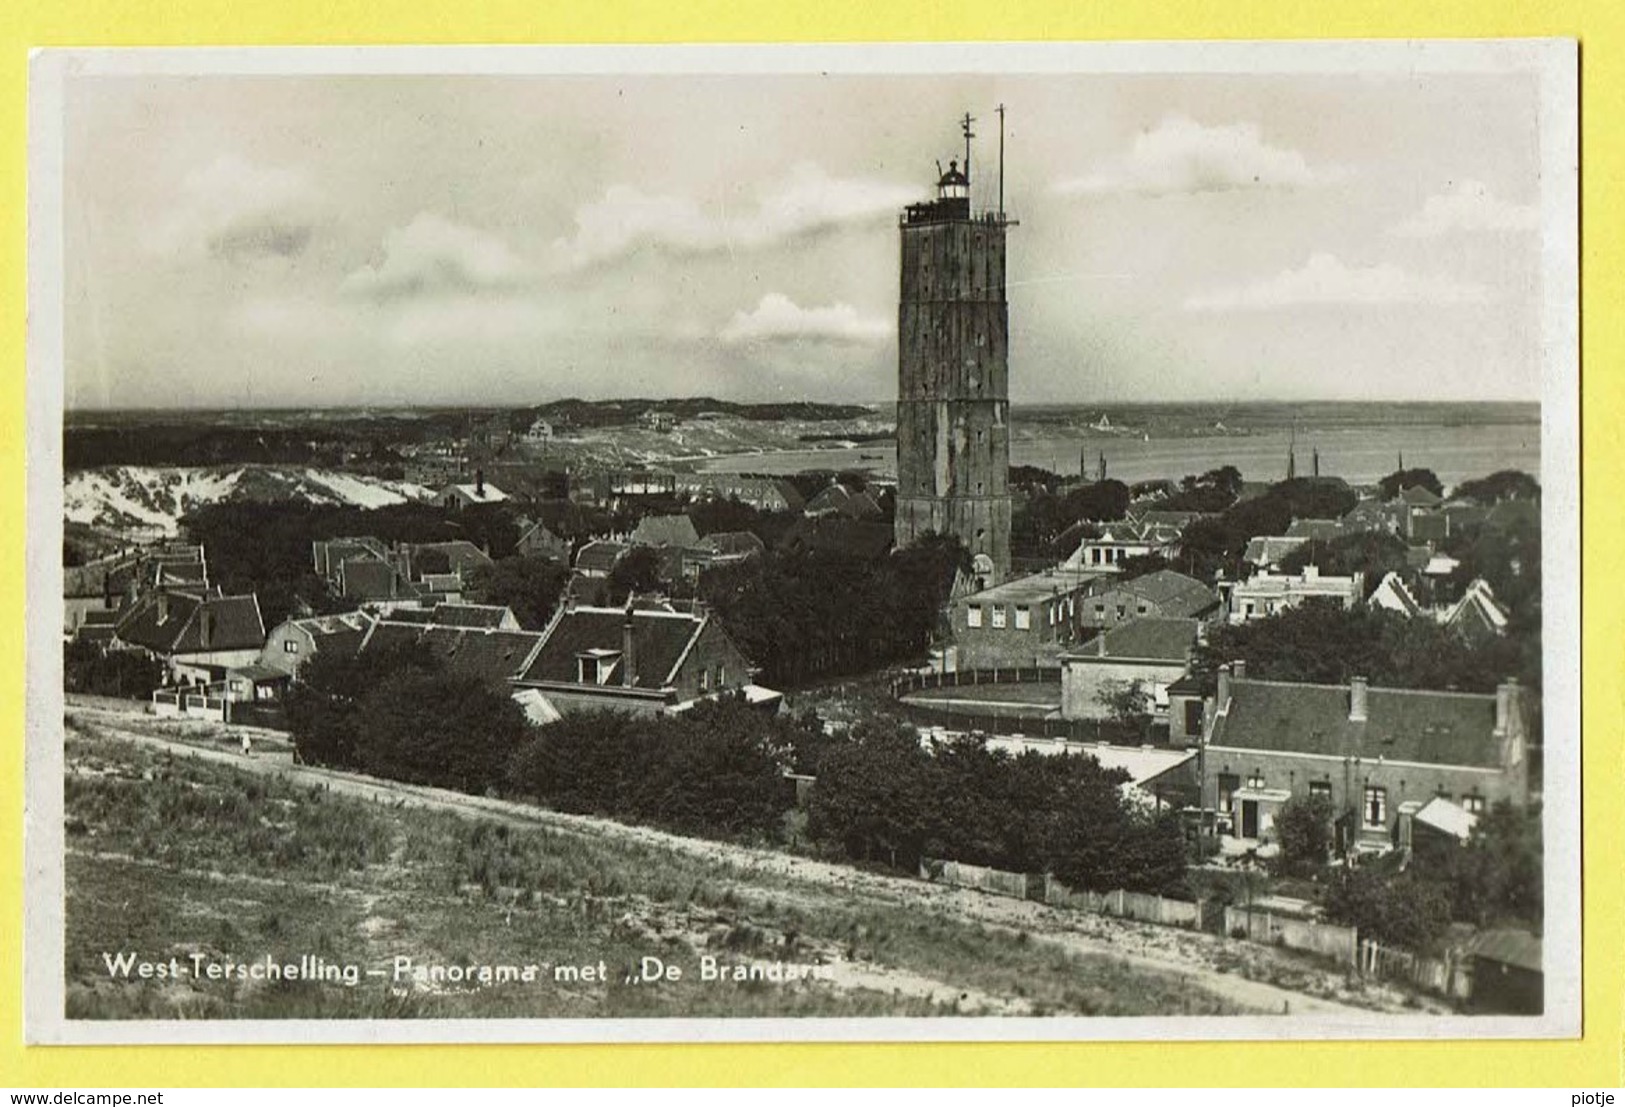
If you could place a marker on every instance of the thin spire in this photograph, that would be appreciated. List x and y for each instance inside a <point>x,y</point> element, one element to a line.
<point>1001,160</point>
<point>964,125</point>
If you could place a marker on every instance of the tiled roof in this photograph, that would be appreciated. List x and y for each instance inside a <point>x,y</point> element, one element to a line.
<point>1417,496</point>
<point>1323,530</point>
<point>599,557</point>
<point>367,578</point>
<point>470,615</point>
<point>736,542</point>
<point>1392,595</point>
<point>665,530</point>
<point>1267,550</point>
<point>1174,593</point>
<point>836,534</point>
<point>1147,638</point>
<point>336,634</point>
<point>1440,728</point>
<point>456,556</point>
<point>234,623</point>
<point>1518,948</point>
<point>491,656</point>
<point>659,641</point>
<point>839,498</point>
<point>474,493</point>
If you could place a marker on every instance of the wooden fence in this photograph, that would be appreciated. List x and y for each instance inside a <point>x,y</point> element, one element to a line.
<point>1447,977</point>
<point>1340,943</point>
<point>1046,889</point>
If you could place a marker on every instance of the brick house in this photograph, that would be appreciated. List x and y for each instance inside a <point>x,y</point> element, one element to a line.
<point>645,658</point>
<point>1031,620</point>
<point>1264,594</point>
<point>1369,751</point>
<point>294,642</point>
<point>197,635</point>
<point>1154,651</point>
<point>1163,594</point>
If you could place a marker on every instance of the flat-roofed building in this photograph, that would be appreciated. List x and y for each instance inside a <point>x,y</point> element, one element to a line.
<point>1031,620</point>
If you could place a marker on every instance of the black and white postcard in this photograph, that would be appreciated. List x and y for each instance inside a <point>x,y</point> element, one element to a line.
<point>746,543</point>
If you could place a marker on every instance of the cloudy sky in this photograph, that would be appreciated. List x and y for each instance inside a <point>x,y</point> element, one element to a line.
<point>387,240</point>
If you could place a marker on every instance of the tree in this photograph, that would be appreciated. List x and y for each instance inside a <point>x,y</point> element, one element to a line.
<point>1495,878</point>
<point>1400,479</point>
<point>425,726</point>
<point>1374,553</point>
<point>1304,828</point>
<point>129,673</point>
<point>529,586</point>
<point>1128,702</point>
<point>872,796</point>
<point>324,705</point>
<point>1398,910</point>
<point>1504,484</point>
<point>638,570</point>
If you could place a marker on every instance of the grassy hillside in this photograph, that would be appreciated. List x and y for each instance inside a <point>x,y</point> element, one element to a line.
<point>170,857</point>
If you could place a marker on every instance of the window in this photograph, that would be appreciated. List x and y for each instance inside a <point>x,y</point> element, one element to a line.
<point>1122,611</point>
<point>1256,779</point>
<point>998,616</point>
<point>1375,812</point>
<point>290,646</point>
<point>705,679</point>
<point>1024,618</point>
<point>1193,717</point>
<point>722,676</point>
<point>1228,783</point>
<point>1142,609</point>
<point>1473,805</point>
<point>1320,788</point>
<point>1250,609</point>
<point>973,616</point>
<point>1100,609</point>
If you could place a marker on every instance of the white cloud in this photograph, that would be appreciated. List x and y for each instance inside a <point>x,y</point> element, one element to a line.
<point>1181,156</point>
<point>626,220</point>
<point>1324,279</point>
<point>779,319</point>
<point>434,257</point>
<point>233,209</point>
<point>1468,207</point>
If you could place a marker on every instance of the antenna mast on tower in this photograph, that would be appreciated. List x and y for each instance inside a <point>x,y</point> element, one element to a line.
<point>1001,161</point>
<point>964,125</point>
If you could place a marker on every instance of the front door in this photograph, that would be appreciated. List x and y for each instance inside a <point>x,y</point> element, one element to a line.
<point>1249,818</point>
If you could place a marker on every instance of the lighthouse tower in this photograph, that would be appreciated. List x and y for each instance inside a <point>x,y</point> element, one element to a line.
<point>953,372</point>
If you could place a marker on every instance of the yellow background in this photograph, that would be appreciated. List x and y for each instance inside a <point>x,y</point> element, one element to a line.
<point>1600,26</point>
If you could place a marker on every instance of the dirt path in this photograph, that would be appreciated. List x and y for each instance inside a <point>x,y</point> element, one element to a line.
<point>1212,963</point>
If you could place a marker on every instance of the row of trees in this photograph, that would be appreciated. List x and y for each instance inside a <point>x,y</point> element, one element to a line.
<point>1321,643</point>
<point>811,615</point>
<point>718,769</point>
<point>881,796</point>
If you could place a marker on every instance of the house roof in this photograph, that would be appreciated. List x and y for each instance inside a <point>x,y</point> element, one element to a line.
<point>367,578</point>
<point>1439,728</point>
<point>1392,595</point>
<point>1145,639</point>
<point>340,634</point>
<point>458,556</point>
<point>474,493</point>
<point>734,542</point>
<point>1478,604</point>
<point>1269,549</point>
<point>1173,592</point>
<point>665,530</point>
<point>660,639</point>
<point>470,615</point>
<point>1518,948</point>
<point>1036,587</point>
<point>1447,817</point>
<point>838,535</point>
<point>234,623</point>
<point>1322,530</point>
<point>488,655</point>
<point>599,556</point>
<point>839,498</point>
<point>1417,496</point>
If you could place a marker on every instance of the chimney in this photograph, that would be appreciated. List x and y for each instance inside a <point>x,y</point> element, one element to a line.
<point>479,483</point>
<point>1507,698</point>
<point>1311,572</point>
<point>629,675</point>
<point>1359,708</point>
<point>1224,688</point>
<point>1238,668</point>
<point>205,626</point>
<point>163,606</point>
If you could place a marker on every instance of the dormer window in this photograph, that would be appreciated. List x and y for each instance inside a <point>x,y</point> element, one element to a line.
<point>595,666</point>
